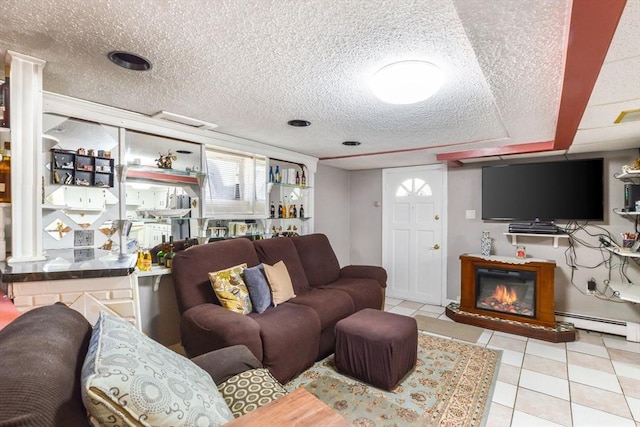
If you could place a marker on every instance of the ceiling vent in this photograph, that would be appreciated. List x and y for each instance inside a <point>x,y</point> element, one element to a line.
<point>627,116</point>
<point>184,120</point>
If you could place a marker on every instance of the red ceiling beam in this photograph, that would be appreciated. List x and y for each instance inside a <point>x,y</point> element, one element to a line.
<point>592,26</point>
<point>506,150</point>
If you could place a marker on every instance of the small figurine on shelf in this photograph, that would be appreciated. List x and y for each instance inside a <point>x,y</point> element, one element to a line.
<point>165,160</point>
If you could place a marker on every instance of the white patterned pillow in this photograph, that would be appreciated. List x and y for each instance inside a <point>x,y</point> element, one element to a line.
<point>129,379</point>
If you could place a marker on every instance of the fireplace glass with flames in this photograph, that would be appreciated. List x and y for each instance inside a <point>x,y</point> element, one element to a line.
<point>506,291</point>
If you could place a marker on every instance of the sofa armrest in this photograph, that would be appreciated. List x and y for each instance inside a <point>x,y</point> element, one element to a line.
<point>376,273</point>
<point>208,327</point>
<point>226,362</point>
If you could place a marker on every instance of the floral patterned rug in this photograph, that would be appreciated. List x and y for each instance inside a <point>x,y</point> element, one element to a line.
<point>451,385</point>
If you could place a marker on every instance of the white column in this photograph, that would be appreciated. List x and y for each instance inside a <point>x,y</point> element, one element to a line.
<point>26,157</point>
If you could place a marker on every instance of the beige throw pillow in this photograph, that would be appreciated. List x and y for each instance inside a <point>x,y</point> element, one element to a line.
<point>279,282</point>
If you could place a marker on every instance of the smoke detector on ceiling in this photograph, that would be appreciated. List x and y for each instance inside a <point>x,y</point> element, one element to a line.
<point>184,120</point>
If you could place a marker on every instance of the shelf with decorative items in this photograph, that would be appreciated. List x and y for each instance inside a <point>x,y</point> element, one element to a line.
<point>166,176</point>
<point>80,168</point>
<point>556,237</point>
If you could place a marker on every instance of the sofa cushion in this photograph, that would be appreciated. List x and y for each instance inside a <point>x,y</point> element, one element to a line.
<point>128,378</point>
<point>365,293</point>
<point>290,339</point>
<point>230,289</point>
<point>41,355</point>
<point>250,390</point>
<point>331,305</point>
<point>259,289</point>
<point>318,258</point>
<point>191,269</point>
<point>279,282</point>
<point>271,251</point>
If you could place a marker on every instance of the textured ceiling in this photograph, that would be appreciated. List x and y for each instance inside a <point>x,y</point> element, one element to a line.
<point>250,66</point>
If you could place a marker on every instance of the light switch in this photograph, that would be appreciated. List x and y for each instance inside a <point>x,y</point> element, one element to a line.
<point>470,214</point>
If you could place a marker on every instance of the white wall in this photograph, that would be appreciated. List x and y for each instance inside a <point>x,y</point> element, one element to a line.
<point>366,217</point>
<point>464,193</point>
<point>331,209</point>
<point>464,237</point>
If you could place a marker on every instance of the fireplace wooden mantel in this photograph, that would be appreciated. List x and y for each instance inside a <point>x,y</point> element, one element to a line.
<point>541,325</point>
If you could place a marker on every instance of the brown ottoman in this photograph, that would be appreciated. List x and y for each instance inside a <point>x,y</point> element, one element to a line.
<point>376,347</point>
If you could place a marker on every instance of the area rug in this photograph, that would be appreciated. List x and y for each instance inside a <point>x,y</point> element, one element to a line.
<point>451,385</point>
<point>459,331</point>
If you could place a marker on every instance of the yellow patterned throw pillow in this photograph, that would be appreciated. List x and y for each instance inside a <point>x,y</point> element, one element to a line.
<point>231,290</point>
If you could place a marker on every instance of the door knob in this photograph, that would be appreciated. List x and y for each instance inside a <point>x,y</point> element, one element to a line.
<point>436,246</point>
<point>437,217</point>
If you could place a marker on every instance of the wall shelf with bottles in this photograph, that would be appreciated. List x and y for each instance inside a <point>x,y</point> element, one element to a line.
<point>71,168</point>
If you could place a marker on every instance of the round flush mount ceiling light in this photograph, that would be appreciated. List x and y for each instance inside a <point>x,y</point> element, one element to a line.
<point>406,82</point>
<point>129,60</point>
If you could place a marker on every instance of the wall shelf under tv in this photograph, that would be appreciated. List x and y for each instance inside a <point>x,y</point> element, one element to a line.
<point>556,237</point>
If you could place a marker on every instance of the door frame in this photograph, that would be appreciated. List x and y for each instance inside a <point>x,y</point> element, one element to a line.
<point>444,215</point>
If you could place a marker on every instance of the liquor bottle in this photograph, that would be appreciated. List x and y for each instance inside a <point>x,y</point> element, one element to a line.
<point>280,209</point>
<point>272,210</point>
<point>162,252</point>
<point>277,177</point>
<point>146,261</point>
<point>295,212</point>
<point>6,97</point>
<point>5,174</point>
<point>292,211</point>
<point>270,173</point>
<point>297,178</point>
<point>168,258</point>
<point>140,261</point>
<point>303,179</point>
<point>301,212</point>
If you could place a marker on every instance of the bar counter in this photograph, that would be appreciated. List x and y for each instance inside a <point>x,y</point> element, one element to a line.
<point>68,264</point>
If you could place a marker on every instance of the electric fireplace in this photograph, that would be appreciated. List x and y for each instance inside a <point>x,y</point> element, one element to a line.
<point>510,294</point>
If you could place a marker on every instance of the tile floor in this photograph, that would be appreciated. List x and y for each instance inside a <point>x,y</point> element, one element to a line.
<point>594,381</point>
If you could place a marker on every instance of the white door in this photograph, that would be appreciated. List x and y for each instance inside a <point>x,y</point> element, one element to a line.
<point>413,242</point>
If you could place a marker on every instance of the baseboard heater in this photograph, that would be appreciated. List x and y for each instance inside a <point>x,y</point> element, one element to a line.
<point>598,324</point>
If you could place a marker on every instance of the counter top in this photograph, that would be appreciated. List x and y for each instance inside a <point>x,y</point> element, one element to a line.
<point>65,264</point>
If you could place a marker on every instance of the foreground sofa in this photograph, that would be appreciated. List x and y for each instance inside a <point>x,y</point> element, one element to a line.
<point>42,353</point>
<point>289,338</point>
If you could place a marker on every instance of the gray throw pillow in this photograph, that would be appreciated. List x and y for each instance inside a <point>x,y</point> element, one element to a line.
<point>259,290</point>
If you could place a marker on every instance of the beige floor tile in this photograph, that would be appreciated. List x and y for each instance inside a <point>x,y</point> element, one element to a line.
<point>630,386</point>
<point>586,416</point>
<point>589,361</point>
<point>624,356</point>
<point>426,314</point>
<point>545,366</point>
<point>509,374</point>
<point>613,341</point>
<point>499,416</point>
<point>544,406</point>
<point>589,337</point>
<point>410,304</point>
<point>543,383</point>
<point>597,398</point>
<point>388,307</point>
<point>507,343</point>
<point>392,301</point>
<point>432,308</point>
<point>508,335</point>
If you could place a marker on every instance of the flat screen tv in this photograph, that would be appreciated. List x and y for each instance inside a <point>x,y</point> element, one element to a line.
<point>549,191</point>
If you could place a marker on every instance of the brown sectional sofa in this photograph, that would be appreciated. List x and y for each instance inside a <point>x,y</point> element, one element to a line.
<point>289,338</point>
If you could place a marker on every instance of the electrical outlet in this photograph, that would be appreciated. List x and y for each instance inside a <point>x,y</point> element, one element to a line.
<point>591,285</point>
<point>83,238</point>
